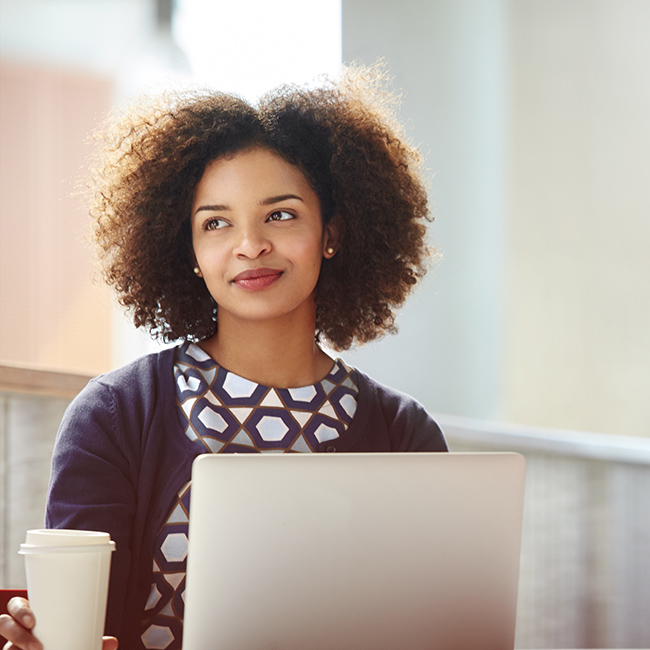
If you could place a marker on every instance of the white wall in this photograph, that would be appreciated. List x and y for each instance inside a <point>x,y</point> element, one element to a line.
<point>95,35</point>
<point>578,313</point>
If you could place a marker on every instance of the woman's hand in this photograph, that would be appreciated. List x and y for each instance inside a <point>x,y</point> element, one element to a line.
<point>17,625</point>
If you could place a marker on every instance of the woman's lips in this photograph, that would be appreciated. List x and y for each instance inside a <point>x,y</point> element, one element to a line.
<point>256,279</point>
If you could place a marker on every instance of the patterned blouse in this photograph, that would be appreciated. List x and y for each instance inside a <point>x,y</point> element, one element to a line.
<point>225,413</point>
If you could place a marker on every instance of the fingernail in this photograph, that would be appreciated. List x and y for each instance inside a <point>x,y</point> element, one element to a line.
<point>27,620</point>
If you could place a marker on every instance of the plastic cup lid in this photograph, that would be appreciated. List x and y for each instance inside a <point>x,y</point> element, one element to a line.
<point>33,549</point>
<point>65,537</point>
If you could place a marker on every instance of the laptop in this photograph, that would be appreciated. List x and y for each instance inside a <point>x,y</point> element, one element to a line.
<point>354,551</point>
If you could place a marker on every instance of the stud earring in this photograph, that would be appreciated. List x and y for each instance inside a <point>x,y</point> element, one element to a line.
<point>197,270</point>
<point>329,250</point>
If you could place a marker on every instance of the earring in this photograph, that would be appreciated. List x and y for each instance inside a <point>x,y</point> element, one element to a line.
<point>197,270</point>
<point>329,250</point>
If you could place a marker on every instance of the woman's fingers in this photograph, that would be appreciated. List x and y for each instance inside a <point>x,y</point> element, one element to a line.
<point>19,609</point>
<point>16,628</point>
<point>17,625</point>
<point>18,636</point>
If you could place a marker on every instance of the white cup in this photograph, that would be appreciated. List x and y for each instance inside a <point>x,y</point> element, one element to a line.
<point>67,586</point>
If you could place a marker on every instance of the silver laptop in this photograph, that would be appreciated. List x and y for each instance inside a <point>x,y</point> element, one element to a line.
<point>354,551</point>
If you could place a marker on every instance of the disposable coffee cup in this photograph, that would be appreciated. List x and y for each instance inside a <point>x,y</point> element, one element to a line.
<point>67,585</point>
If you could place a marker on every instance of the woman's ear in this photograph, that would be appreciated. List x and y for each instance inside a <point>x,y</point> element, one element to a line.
<point>195,265</point>
<point>332,236</point>
<point>187,231</point>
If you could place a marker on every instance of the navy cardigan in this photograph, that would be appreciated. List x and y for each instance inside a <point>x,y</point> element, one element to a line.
<point>121,455</point>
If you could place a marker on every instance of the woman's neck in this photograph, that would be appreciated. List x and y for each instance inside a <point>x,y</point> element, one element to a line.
<point>278,354</point>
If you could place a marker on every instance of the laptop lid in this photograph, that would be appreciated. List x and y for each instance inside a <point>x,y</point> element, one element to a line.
<point>354,551</point>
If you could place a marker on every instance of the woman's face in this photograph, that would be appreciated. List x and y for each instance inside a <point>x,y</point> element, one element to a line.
<point>258,236</point>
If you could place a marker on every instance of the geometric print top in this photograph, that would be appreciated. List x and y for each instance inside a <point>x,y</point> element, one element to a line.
<point>228,413</point>
<point>225,413</point>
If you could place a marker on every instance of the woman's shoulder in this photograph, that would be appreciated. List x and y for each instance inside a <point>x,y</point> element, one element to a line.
<point>390,399</point>
<point>120,401</point>
<point>141,379</point>
<point>406,419</point>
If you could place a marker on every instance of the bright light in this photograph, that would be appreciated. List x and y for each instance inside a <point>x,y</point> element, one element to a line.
<point>251,46</point>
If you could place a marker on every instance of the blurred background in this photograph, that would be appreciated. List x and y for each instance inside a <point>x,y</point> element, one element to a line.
<point>533,117</point>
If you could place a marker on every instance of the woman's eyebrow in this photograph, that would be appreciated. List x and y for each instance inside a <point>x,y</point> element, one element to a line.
<point>279,199</point>
<point>219,207</point>
<point>213,208</point>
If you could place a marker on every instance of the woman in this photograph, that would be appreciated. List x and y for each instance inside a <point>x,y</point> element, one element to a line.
<point>250,235</point>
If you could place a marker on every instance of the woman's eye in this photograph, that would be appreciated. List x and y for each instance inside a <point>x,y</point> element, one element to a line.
<point>281,215</point>
<point>215,224</point>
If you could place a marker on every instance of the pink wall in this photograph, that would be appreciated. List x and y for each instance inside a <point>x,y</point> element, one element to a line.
<point>51,312</point>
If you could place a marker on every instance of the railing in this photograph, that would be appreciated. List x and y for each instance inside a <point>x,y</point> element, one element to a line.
<point>585,564</point>
<point>32,403</point>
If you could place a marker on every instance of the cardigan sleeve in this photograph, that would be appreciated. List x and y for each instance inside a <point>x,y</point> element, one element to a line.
<point>91,484</point>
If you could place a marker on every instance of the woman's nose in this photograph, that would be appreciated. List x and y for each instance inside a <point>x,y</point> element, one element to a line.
<point>252,243</point>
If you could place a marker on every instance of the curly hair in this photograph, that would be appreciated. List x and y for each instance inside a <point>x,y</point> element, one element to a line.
<point>343,137</point>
